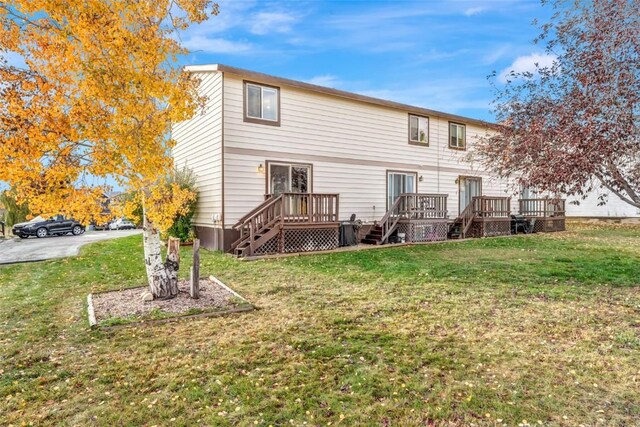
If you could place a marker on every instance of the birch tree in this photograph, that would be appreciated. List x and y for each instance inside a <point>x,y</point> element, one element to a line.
<point>95,98</point>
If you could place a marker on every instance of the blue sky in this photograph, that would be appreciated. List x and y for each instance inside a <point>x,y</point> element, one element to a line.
<point>435,54</point>
<point>432,53</point>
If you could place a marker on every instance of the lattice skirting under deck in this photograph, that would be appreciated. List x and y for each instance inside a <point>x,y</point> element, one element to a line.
<point>309,239</point>
<point>546,225</point>
<point>424,231</point>
<point>271,247</point>
<point>490,228</point>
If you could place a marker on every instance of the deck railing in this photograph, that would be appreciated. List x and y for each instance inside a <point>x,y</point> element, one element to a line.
<point>413,206</point>
<point>482,207</point>
<point>310,207</point>
<point>491,207</point>
<point>542,207</point>
<point>422,206</point>
<point>275,211</point>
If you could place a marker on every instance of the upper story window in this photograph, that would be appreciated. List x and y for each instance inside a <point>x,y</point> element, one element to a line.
<point>418,130</point>
<point>262,104</point>
<point>457,136</point>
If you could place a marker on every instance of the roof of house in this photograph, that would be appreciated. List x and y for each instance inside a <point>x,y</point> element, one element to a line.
<point>269,79</point>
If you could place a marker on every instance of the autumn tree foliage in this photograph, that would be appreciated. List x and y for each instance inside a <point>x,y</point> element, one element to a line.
<point>574,127</point>
<point>95,98</point>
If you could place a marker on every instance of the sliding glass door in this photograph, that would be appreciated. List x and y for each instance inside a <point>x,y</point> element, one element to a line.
<point>470,187</point>
<point>289,178</point>
<point>398,183</point>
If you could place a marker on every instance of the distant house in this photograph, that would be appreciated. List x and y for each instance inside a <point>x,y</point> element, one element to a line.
<point>269,152</point>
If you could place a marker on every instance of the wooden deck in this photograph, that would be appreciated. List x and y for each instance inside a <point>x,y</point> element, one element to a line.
<point>289,222</point>
<point>309,222</point>
<point>419,217</point>
<point>546,214</point>
<point>485,216</point>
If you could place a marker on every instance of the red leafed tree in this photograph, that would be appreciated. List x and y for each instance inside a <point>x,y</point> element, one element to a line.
<point>574,127</point>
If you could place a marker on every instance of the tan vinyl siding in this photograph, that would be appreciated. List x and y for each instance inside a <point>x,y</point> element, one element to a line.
<point>351,145</point>
<point>199,146</point>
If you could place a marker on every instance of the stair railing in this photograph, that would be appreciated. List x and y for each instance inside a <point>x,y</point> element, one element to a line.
<point>267,214</point>
<point>466,217</point>
<point>390,219</point>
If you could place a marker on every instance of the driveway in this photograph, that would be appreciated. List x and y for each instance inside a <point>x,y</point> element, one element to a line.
<point>33,249</point>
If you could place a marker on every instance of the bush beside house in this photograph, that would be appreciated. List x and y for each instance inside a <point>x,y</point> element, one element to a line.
<point>182,227</point>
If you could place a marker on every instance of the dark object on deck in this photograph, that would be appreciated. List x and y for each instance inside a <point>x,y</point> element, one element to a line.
<point>519,223</point>
<point>1,228</point>
<point>349,231</point>
<point>394,238</point>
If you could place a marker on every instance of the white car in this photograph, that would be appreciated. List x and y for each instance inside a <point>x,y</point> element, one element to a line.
<point>122,224</point>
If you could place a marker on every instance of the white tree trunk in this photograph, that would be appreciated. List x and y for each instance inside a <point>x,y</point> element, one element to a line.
<point>162,276</point>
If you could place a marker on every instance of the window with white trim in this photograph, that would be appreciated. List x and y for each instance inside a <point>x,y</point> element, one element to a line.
<point>418,129</point>
<point>261,102</point>
<point>457,136</point>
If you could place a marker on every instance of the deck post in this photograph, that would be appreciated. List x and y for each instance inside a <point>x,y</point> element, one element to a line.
<point>310,207</point>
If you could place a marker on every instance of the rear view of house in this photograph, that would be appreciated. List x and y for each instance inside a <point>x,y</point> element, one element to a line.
<point>279,163</point>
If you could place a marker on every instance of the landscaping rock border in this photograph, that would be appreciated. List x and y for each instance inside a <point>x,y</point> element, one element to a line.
<point>94,323</point>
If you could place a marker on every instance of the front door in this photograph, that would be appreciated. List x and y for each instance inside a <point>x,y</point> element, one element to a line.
<point>470,187</point>
<point>398,183</point>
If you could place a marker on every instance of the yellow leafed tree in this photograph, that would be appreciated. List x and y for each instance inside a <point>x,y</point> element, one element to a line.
<point>96,96</point>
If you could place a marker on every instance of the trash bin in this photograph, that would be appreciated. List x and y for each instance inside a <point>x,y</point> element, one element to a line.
<point>348,233</point>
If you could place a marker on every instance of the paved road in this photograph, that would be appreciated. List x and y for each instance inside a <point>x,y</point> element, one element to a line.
<point>34,249</point>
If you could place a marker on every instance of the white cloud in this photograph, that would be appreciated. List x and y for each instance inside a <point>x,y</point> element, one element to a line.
<point>529,63</point>
<point>217,45</point>
<point>496,53</point>
<point>474,10</point>
<point>271,22</point>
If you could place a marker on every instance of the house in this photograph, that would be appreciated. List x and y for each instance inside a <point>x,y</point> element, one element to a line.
<point>281,162</point>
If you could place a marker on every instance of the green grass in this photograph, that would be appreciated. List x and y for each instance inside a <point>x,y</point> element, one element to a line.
<point>542,328</point>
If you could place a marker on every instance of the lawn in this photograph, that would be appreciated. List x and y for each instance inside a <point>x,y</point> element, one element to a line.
<point>540,330</point>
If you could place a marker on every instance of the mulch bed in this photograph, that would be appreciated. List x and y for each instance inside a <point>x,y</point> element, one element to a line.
<point>127,303</point>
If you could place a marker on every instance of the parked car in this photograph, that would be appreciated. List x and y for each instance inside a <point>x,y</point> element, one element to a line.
<point>122,224</point>
<point>55,226</point>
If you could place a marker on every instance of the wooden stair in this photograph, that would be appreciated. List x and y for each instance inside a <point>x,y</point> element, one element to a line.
<point>258,227</point>
<point>374,237</point>
<point>246,248</point>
